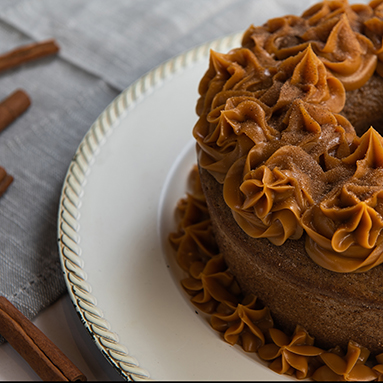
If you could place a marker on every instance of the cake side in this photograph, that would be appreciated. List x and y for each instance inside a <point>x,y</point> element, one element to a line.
<point>332,307</point>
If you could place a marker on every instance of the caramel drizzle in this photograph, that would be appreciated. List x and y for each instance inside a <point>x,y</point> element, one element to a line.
<point>270,131</point>
<point>242,320</point>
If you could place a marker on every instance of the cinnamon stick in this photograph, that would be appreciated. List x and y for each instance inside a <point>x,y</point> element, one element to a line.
<point>12,107</point>
<point>5,180</point>
<point>27,53</point>
<point>40,353</point>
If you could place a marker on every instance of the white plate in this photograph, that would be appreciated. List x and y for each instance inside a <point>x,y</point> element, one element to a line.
<point>116,210</point>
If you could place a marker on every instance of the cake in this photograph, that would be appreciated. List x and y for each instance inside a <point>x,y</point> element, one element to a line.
<point>290,159</point>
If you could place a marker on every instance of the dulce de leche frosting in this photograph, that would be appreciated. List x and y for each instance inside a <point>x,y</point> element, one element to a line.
<point>270,130</point>
<point>242,319</point>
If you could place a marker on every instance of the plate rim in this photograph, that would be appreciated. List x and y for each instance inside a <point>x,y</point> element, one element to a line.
<point>68,237</point>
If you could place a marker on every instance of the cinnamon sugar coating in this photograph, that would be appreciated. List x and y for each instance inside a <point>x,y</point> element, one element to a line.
<point>273,128</point>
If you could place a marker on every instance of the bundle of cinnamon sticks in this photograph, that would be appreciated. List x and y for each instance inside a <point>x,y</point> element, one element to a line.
<point>19,101</point>
<point>41,354</point>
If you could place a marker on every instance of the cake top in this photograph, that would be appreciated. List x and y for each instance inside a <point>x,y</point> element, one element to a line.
<point>270,129</point>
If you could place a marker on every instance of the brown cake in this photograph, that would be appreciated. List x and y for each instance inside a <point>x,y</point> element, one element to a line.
<point>292,170</point>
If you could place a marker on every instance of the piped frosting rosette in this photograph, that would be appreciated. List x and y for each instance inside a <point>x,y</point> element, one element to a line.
<point>270,131</point>
<point>337,37</point>
<point>345,228</point>
<point>269,200</point>
<point>228,105</point>
<point>374,31</point>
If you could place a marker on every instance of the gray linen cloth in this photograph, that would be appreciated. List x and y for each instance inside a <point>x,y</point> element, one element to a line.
<point>105,46</point>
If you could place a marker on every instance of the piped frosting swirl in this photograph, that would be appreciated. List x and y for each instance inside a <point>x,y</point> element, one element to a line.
<point>270,130</point>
